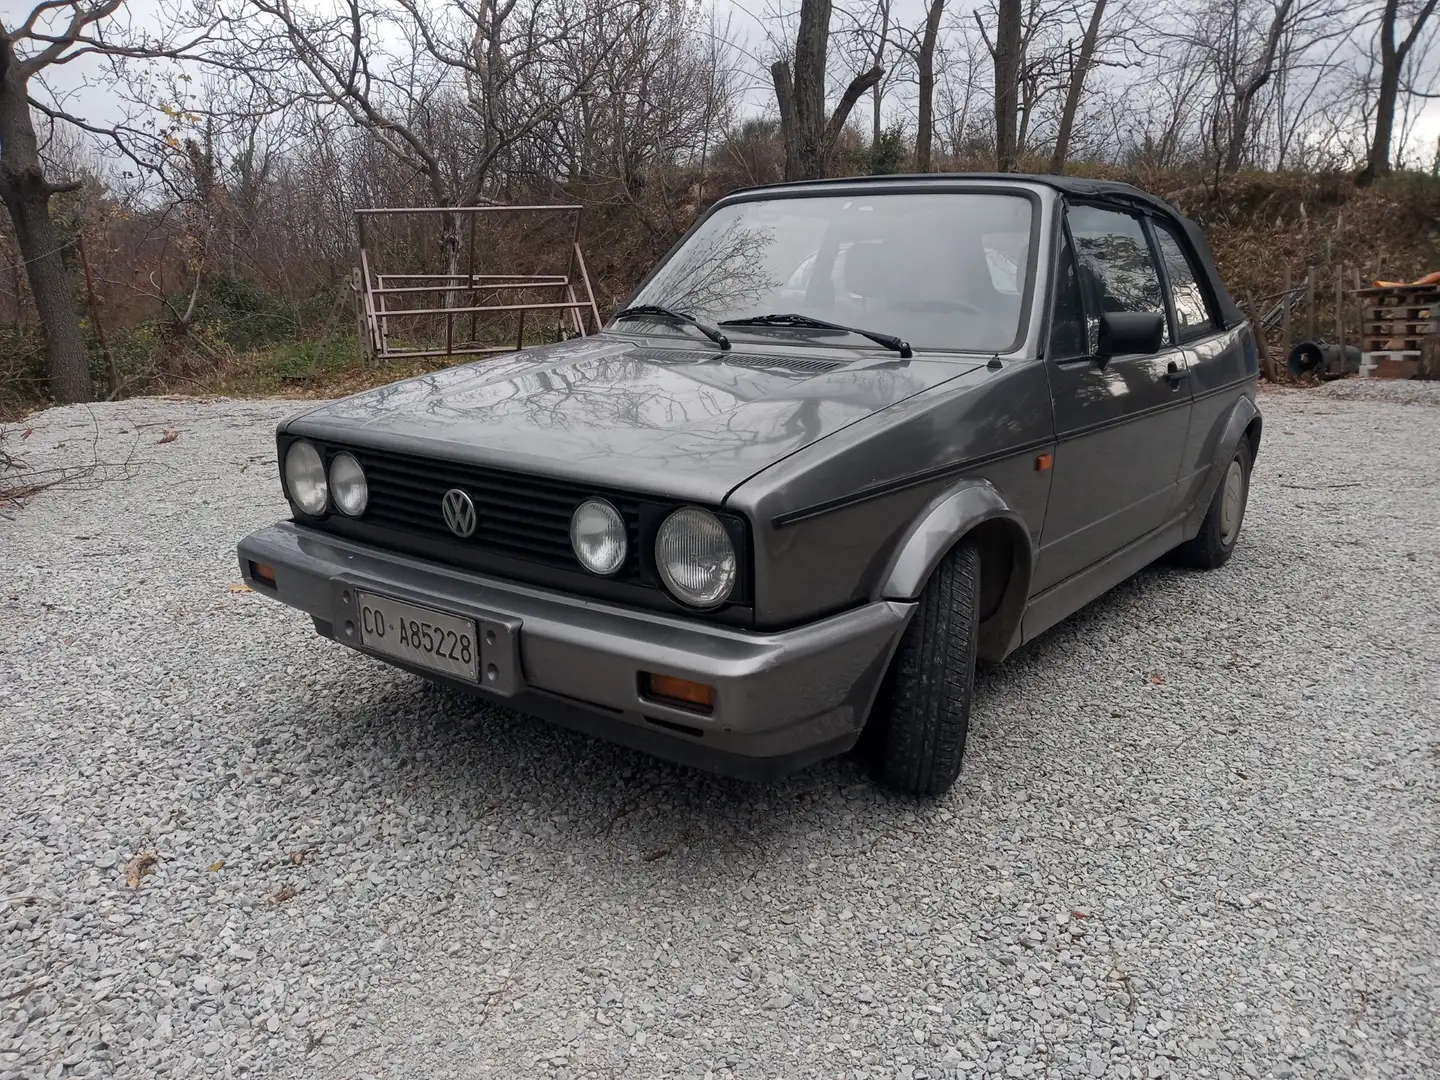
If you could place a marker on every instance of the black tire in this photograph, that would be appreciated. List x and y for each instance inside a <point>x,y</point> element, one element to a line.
<point>1212,546</point>
<point>922,719</point>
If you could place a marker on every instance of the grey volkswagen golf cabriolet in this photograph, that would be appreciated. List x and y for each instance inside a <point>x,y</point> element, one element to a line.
<point>849,437</point>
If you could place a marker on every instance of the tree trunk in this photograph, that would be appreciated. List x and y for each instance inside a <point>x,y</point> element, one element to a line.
<point>808,136</point>
<point>1076,88</point>
<point>1245,97</point>
<point>450,240</point>
<point>789,129</point>
<point>812,41</point>
<point>1007,84</point>
<point>926,131</point>
<point>1392,63</point>
<point>26,194</point>
<point>879,62</point>
<point>1377,161</point>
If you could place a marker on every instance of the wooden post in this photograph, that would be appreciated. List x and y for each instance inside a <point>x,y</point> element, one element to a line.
<point>1310,304</point>
<point>1340,310</point>
<point>112,371</point>
<point>1360,315</point>
<point>1289,298</point>
<point>19,297</point>
<point>1262,348</point>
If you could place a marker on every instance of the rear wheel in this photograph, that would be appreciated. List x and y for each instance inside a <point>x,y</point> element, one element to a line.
<point>1213,544</point>
<point>921,723</point>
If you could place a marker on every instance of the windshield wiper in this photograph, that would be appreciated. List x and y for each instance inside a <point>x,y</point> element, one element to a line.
<point>890,341</point>
<point>656,311</point>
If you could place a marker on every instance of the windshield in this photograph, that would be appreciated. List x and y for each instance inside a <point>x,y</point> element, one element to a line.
<point>941,270</point>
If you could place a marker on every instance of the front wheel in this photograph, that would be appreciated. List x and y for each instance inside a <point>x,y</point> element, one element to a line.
<point>921,724</point>
<point>1213,544</point>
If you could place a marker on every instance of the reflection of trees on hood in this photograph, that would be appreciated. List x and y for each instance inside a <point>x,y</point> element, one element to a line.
<point>720,272</point>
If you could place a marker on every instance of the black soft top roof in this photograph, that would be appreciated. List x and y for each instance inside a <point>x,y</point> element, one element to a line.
<point>1075,187</point>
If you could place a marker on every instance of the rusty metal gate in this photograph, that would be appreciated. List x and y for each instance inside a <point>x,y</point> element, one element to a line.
<point>405,311</point>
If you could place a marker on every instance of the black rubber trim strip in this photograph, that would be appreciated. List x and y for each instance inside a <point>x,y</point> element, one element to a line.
<point>1180,402</point>
<point>875,491</point>
<point>1203,394</point>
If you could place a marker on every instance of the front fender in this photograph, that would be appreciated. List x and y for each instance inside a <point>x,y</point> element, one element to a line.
<point>946,520</point>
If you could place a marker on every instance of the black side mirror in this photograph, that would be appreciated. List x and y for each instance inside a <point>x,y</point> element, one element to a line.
<point>1125,332</point>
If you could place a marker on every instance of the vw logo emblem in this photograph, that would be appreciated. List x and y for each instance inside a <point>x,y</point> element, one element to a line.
<point>459,513</point>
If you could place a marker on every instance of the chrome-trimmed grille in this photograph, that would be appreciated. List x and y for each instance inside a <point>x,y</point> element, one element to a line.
<point>524,517</point>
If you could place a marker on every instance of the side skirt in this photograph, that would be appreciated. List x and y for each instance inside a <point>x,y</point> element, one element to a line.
<point>1066,597</point>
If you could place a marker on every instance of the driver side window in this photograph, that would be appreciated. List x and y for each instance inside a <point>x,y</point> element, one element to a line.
<point>1117,272</point>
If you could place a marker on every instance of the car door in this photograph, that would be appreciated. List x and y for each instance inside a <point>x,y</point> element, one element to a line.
<point>1216,358</point>
<point>1121,425</point>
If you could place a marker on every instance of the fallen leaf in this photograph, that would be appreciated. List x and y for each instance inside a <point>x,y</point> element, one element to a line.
<point>170,436</point>
<point>280,895</point>
<point>218,864</point>
<point>240,586</point>
<point>141,864</point>
<point>1157,678</point>
<point>658,853</point>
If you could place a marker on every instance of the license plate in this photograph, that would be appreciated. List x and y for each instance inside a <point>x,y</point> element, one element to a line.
<point>419,635</point>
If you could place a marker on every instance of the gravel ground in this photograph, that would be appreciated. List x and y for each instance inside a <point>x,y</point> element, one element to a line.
<point>1195,836</point>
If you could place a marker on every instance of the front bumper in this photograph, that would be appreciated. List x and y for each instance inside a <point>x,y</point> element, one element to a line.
<point>782,700</point>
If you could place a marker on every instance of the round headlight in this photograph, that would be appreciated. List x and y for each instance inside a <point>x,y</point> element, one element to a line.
<point>597,533</point>
<point>305,478</point>
<point>347,485</point>
<point>695,557</point>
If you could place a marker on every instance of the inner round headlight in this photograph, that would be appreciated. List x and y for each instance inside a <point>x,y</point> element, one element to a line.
<point>597,533</point>
<point>695,557</point>
<point>347,485</point>
<point>305,478</point>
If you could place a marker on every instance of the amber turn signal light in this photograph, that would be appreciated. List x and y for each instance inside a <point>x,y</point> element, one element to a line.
<point>698,697</point>
<point>1043,462</point>
<point>263,572</point>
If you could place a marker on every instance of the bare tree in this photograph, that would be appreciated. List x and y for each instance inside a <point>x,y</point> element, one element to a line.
<point>57,33</point>
<point>1248,82</point>
<point>800,94</point>
<point>926,122</point>
<point>1393,56</point>
<point>1007,84</point>
<point>1075,87</point>
<point>26,51</point>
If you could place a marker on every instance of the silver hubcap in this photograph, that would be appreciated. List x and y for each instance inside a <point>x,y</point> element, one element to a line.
<point>1232,503</point>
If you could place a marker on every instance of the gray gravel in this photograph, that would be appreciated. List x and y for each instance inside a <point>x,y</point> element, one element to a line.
<point>1195,836</point>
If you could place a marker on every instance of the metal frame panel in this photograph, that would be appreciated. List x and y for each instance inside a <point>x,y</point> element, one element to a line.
<point>383,297</point>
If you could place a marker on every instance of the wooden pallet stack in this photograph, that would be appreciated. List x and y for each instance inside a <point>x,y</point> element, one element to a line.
<point>1397,321</point>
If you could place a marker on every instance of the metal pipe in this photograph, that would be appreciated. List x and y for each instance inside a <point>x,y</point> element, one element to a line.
<point>585,276</point>
<point>378,211</point>
<point>396,313</point>
<point>489,286</point>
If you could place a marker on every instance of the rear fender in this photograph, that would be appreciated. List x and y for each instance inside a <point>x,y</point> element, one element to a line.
<point>1237,422</point>
<point>972,507</point>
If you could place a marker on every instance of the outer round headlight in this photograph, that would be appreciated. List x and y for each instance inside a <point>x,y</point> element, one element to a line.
<point>347,485</point>
<point>305,478</point>
<point>597,533</point>
<point>695,557</point>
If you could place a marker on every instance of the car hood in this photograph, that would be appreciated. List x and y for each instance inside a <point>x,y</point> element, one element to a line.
<point>691,423</point>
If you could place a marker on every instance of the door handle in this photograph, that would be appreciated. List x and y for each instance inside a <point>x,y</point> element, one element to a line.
<point>1176,375</point>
